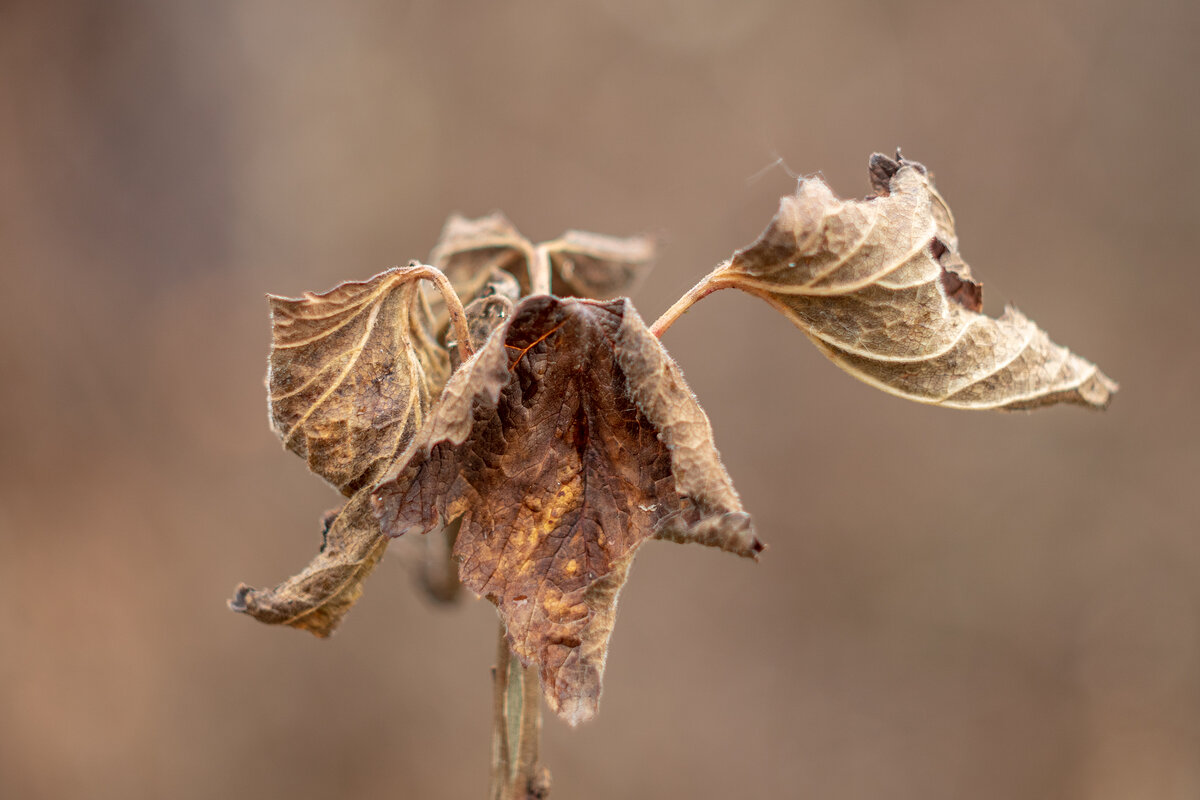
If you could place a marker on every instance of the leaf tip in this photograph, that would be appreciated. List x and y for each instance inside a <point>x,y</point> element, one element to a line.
<point>883,168</point>
<point>1098,390</point>
<point>756,548</point>
<point>238,601</point>
<point>743,537</point>
<point>576,709</point>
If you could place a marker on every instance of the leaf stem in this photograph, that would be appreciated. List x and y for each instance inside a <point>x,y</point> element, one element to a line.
<point>516,729</point>
<point>454,306</point>
<point>539,270</point>
<point>707,285</point>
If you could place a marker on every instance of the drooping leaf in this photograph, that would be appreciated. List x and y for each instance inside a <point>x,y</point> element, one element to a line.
<point>352,375</point>
<point>316,599</point>
<point>879,286</point>
<point>567,441</point>
<point>581,264</point>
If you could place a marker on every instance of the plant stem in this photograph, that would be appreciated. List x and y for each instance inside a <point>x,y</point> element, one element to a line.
<point>437,570</point>
<point>500,747</point>
<point>516,729</point>
<point>709,284</point>
<point>539,270</point>
<point>454,306</point>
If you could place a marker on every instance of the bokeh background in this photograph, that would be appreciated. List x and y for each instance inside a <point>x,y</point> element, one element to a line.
<point>953,604</point>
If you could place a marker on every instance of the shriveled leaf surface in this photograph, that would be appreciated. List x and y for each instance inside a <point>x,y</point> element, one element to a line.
<point>567,441</point>
<point>437,570</point>
<point>470,249</point>
<point>352,375</point>
<point>595,265</point>
<point>318,598</point>
<point>492,304</point>
<point>879,286</point>
<point>582,264</point>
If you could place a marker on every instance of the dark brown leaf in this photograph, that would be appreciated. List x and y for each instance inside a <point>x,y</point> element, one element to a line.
<point>352,374</point>
<point>568,440</point>
<point>879,287</point>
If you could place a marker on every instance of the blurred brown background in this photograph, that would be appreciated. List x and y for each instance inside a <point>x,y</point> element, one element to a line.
<point>953,605</point>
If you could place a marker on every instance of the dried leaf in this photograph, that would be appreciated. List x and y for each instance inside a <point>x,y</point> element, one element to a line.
<point>492,304</point>
<point>568,440</point>
<point>879,287</point>
<point>437,570</point>
<point>318,598</point>
<point>582,264</point>
<point>470,250</point>
<point>597,266</point>
<point>956,275</point>
<point>352,373</point>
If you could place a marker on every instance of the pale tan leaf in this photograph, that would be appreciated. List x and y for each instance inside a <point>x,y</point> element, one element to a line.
<point>879,286</point>
<point>352,373</point>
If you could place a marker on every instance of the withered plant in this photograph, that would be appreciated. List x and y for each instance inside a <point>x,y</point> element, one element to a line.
<point>538,433</point>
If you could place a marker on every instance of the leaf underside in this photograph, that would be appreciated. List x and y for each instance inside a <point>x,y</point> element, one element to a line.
<point>880,288</point>
<point>567,441</point>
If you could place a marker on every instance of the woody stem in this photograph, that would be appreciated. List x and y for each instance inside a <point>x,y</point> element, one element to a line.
<point>709,284</point>
<point>516,729</point>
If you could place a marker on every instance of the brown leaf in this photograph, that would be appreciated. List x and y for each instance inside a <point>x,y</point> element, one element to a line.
<point>469,250</point>
<point>879,287</point>
<point>492,304</point>
<point>597,266</point>
<point>581,264</point>
<point>318,598</point>
<point>437,570</point>
<point>351,377</point>
<point>568,440</point>
<point>352,373</point>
